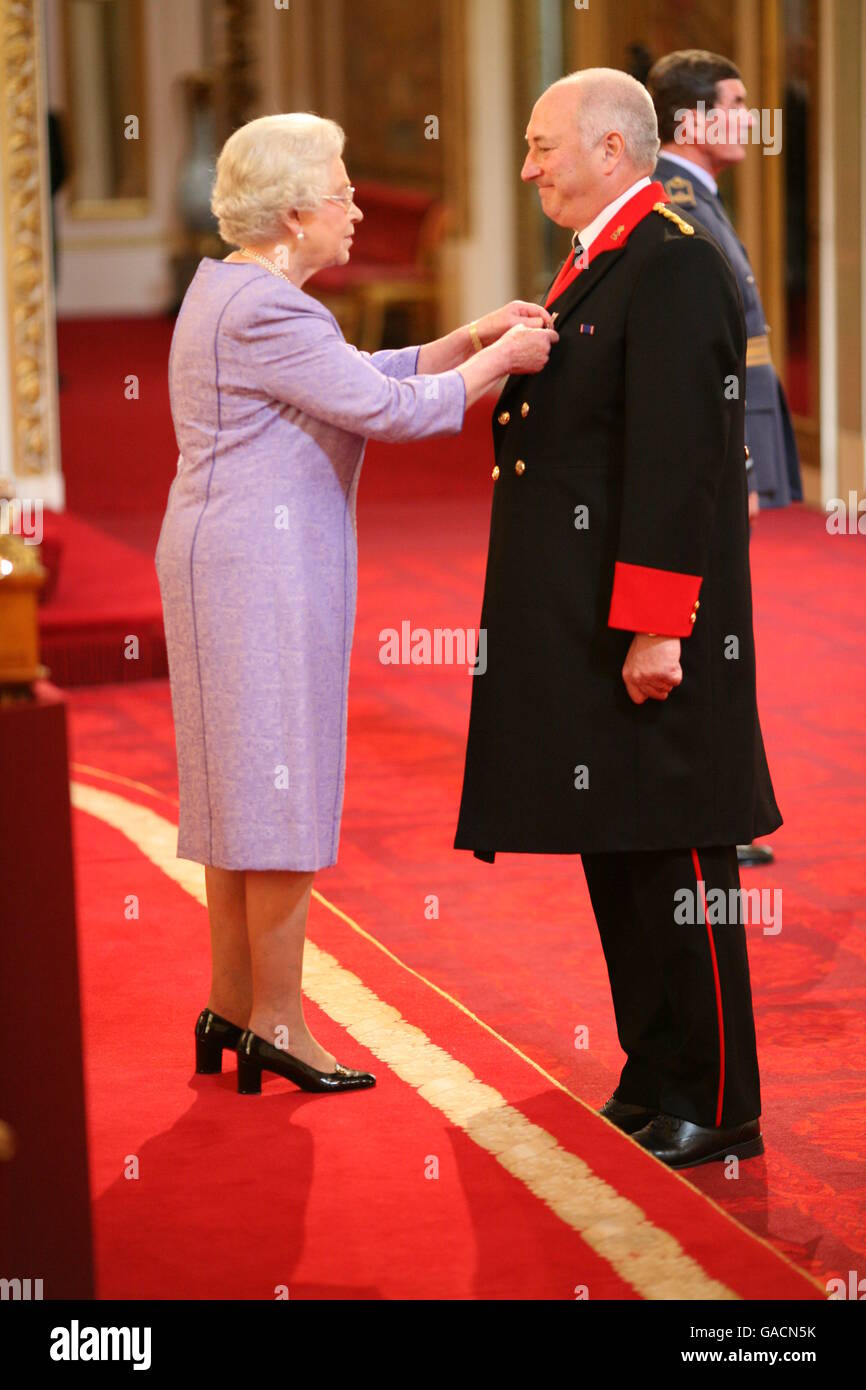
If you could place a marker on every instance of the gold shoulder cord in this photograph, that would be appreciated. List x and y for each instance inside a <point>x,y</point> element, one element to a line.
<point>685,227</point>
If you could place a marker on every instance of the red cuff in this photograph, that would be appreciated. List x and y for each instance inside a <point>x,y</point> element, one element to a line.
<point>649,600</point>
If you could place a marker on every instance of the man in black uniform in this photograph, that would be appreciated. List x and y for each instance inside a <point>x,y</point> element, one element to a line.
<point>617,716</point>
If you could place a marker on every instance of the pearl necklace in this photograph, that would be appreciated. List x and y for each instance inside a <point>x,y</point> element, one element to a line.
<point>263,260</point>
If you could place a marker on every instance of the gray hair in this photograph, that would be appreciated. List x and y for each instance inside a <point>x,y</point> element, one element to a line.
<point>613,100</point>
<point>268,166</point>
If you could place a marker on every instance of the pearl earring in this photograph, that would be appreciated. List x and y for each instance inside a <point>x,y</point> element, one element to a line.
<point>300,236</point>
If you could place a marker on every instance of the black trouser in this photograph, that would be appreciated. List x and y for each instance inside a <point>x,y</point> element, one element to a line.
<point>681,991</point>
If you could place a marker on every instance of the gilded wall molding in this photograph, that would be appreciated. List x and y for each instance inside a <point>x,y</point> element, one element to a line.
<point>29,327</point>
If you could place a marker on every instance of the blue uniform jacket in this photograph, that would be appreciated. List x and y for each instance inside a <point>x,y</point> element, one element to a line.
<point>769,432</point>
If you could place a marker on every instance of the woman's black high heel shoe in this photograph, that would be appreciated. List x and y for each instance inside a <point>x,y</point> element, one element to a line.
<point>255,1056</point>
<point>212,1034</point>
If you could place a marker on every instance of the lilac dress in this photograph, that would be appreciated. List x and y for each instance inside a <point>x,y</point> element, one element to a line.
<point>257,556</point>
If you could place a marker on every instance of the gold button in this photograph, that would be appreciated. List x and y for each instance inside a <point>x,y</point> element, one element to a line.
<point>519,467</point>
<point>693,617</point>
<point>504,417</point>
<point>495,474</point>
<point>746,447</point>
<point>697,604</point>
<point>524,409</point>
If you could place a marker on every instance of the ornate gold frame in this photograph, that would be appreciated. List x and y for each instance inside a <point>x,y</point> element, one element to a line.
<point>107,209</point>
<point>29,327</point>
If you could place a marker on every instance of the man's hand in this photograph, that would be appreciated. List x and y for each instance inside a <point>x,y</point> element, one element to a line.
<point>754,505</point>
<point>492,326</point>
<point>652,667</point>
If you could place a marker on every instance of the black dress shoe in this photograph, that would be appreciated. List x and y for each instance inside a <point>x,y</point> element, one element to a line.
<point>680,1144</point>
<point>212,1034</point>
<point>754,855</point>
<point>626,1117</point>
<point>255,1056</point>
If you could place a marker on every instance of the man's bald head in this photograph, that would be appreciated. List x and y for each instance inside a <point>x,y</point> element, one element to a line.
<point>591,135</point>
<point>605,100</point>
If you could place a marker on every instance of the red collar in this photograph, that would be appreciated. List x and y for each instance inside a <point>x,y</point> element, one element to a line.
<point>612,236</point>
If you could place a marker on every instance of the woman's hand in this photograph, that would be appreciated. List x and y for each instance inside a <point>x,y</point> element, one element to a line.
<point>492,326</point>
<point>526,349</point>
<point>519,350</point>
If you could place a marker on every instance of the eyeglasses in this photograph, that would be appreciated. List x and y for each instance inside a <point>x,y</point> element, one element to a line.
<point>347,198</point>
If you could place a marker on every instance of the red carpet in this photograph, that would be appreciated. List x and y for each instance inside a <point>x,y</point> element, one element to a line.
<point>117,479</point>
<point>300,1191</point>
<point>234,1197</point>
<point>119,458</point>
<point>119,452</point>
<point>103,619</point>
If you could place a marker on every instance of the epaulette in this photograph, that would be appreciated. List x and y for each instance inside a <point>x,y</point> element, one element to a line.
<point>685,227</point>
<point>681,191</point>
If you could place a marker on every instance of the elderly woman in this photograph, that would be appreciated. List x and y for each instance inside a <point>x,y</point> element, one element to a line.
<point>257,563</point>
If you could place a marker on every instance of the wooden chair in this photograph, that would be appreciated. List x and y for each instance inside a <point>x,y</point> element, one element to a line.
<point>393,265</point>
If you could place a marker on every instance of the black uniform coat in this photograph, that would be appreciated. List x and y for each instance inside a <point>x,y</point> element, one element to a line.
<point>769,429</point>
<point>559,760</point>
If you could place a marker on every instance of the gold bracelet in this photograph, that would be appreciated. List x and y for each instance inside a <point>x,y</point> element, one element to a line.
<point>473,333</point>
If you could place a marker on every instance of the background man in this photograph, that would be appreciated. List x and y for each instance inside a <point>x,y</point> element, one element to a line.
<point>617,717</point>
<point>677,83</point>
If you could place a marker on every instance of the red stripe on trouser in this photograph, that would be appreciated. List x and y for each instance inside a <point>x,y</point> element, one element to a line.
<point>700,881</point>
